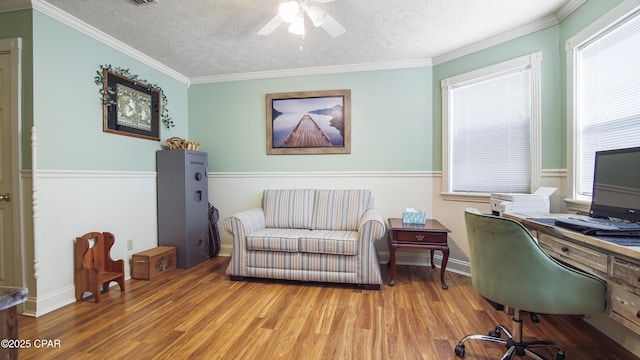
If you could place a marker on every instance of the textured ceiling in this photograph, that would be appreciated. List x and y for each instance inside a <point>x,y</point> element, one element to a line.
<point>199,38</point>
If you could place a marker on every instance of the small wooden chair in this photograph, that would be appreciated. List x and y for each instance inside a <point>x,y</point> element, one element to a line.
<point>94,266</point>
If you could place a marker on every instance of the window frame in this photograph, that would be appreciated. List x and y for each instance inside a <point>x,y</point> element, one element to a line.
<point>531,62</point>
<point>614,18</point>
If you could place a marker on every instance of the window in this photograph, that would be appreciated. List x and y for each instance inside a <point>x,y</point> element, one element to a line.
<point>491,131</point>
<point>606,93</point>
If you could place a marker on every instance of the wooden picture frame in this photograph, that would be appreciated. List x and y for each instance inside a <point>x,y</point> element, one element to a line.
<point>310,122</point>
<point>130,108</point>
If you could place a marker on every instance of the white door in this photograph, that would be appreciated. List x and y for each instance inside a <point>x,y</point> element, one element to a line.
<point>7,245</point>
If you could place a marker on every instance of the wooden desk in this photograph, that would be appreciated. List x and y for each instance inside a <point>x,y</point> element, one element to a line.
<point>431,236</point>
<point>618,266</point>
<point>10,298</point>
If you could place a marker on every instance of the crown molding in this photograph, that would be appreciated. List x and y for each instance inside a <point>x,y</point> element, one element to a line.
<point>81,26</point>
<point>613,16</point>
<point>568,9</point>
<point>548,21</point>
<point>321,70</point>
<point>47,9</point>
<point>498,39</point>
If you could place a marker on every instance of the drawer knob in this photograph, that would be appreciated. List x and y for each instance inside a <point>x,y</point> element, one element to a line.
<point>565,249</point>
<point>638,314</point>
<point>419,237</point>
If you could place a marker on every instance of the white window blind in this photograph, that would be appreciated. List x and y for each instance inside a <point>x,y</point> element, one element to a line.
<point>490,134</point>
<point>608,96</point>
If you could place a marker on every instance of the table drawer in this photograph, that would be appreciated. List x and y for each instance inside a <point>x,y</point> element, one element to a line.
<point>574,253</point>
<point>627,273</point>
<point>625,304</point>
<point>420,237</point>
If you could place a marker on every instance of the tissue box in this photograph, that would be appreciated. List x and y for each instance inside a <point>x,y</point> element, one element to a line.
<point>414,217</point>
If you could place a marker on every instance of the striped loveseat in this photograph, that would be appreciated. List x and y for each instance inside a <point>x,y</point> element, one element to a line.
<point>308,235</point>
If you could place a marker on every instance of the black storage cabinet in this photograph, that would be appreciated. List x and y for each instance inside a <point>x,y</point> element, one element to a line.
<point>183,210</point>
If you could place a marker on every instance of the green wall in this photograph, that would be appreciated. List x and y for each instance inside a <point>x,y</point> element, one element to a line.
<point>545,41</point>
<point>13,25</point>
<point>551,42</point>
<point>584,16</point>
<point>396,120</point>
<point>391,124</point>
<point>581,18</point>
<point>67,107</point>
<point>396,114</point>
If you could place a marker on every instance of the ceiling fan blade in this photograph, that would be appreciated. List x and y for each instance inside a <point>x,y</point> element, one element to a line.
<point>271,26</point>
<point>332,26</point>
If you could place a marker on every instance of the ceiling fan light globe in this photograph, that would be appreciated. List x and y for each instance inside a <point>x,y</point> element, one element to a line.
<point>317,15</point>
<point>288,11</point>
<point>297,26</point>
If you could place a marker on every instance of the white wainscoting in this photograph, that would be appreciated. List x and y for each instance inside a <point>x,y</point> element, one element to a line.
<point>392,192</point>
<point>72,203</point>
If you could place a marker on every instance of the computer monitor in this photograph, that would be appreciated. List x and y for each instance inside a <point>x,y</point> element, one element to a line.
<point>616,184</point>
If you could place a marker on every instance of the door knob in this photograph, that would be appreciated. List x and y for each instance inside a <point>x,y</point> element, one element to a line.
<point>5,197</point>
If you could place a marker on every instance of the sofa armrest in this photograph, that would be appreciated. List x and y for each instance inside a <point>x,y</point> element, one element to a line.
<point>245,222</point>
<point>240,225</point>
<point>372,226</point>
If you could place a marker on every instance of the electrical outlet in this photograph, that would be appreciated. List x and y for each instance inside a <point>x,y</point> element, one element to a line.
<point>130,244</point>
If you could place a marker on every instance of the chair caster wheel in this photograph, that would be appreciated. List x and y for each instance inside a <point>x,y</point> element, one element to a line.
<point>534,317</point>
<point>495,333</point>
<point>559,356</point>
<point>459,350</point>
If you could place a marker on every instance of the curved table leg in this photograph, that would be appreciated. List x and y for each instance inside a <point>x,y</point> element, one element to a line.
<point>443,266</point>
<point>392,250</point>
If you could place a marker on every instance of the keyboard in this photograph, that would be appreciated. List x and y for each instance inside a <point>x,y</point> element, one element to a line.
<point>599,226</point>
<point>622,225</point>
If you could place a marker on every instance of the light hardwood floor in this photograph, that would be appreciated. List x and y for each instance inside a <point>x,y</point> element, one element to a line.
<point>200,314</point>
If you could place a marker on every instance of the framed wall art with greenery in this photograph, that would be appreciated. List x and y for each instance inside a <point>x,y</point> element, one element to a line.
<point>131,107</point>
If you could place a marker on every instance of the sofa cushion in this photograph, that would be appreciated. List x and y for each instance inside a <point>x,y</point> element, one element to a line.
<point>275,239</point>
<point>339,209</point>
<point>304,266</point>
<point>290,209</point>
<point>329,242</point>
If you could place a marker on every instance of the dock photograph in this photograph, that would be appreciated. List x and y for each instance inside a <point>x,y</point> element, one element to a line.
<point>308,122</point>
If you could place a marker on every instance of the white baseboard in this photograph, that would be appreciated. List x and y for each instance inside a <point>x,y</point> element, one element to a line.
<point>225,250</point>
<point>461,267</point>
<point>52,301</point>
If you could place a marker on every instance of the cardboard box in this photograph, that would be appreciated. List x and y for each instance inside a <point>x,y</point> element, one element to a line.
<point>148,264</point>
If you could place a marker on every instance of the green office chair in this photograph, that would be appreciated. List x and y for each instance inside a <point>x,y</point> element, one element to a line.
<point>509,268</point>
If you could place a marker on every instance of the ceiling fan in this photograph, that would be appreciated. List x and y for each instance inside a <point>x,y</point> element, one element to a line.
<point>293,12</point>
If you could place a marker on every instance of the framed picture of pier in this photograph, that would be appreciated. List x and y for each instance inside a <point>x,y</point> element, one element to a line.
<point>131,107</point>
<point>310,122</point>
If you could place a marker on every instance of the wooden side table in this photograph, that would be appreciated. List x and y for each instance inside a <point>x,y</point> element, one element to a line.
<point>430,236</point>
<point>10,298</point>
